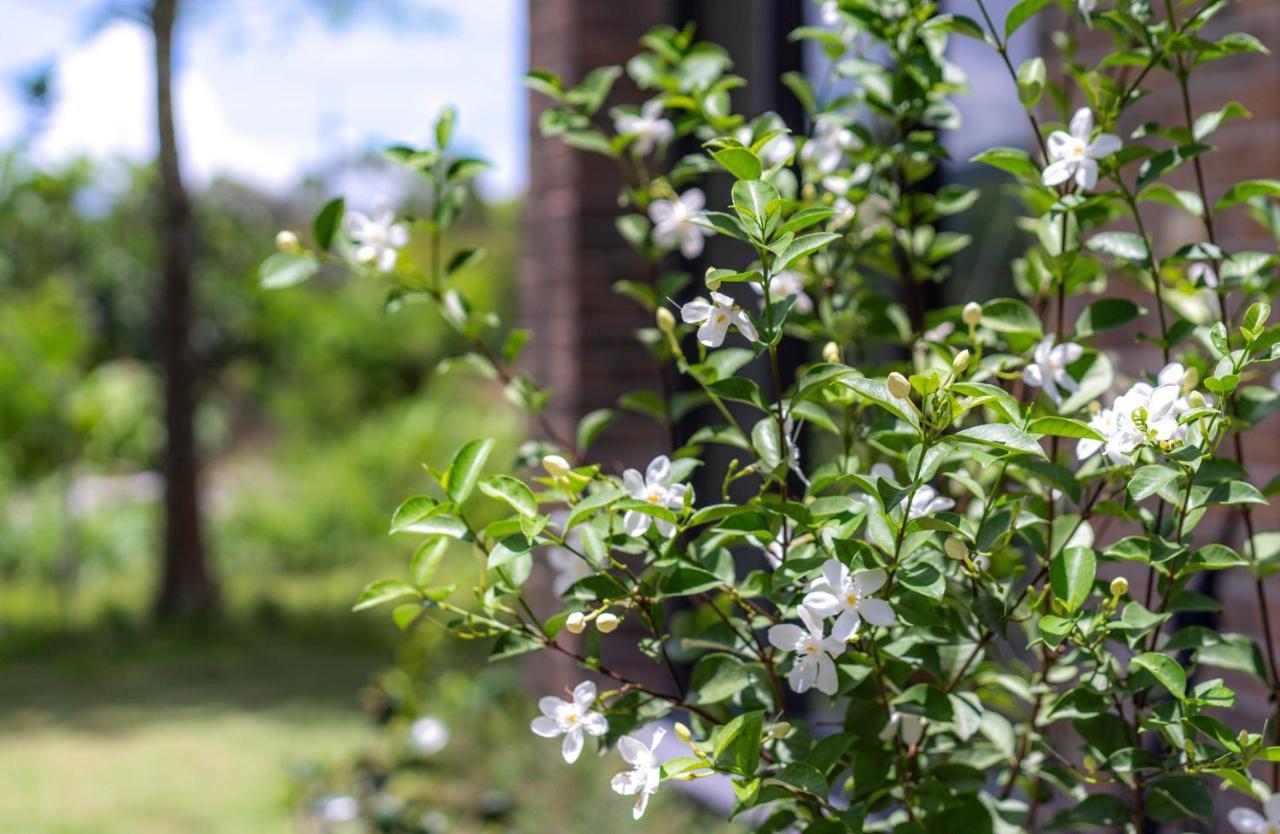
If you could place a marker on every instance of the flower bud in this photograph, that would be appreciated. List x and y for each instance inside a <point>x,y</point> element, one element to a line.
<point>607,622</point>
<point>576,623</point>
<point>960,362</point>
<point>1190,379</point>
<point>780,730</point>
<point>1119,586</point>
<point>831,352</point>
<point>972,313</point>
<point>899,388</point>
<point>683,733</point>
<point>1196,400</point>
<point>556,466</point>
<point>955,548</point>
<point>287,241</point>
<point>666,321</point>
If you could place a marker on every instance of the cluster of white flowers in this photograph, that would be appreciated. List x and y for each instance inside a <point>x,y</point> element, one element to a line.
<point>831,140</point>
<point>836,593</point>
<point>377,238</point>
<point>654,487</point>
<point>1143,413</point>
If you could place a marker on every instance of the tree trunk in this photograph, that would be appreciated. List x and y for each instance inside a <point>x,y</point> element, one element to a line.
<point>187,587</point>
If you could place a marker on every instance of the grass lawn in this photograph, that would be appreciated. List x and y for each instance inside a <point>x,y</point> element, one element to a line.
<point>111,730</point>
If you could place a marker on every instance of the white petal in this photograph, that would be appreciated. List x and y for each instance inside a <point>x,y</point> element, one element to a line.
<point>1087,175</point>
<point>693,199</point>
<point>698,310</point>
<point>801,676</point>
<point>550,705</point>
<point>876,611</point>
<point>545,727</point>
<point>834,571</point>
<point>1058,144</point>
<point>398,235</point>
<point>827,675</point>
<point>595,724</point>
<point>1271,809</point>
<point>822,603</point>
<point>744,325</point>
<point>571,747</point>
<point>846,625</point>
<point>633,483</point>
<point>712,333</point>
<point>658,471</point>
<point>691,242</point>
<point>635,523</point>
<point>632,749</point>
<point>1058,173</point>
<point>869,581</point>
<point>584,695</point>
<point>1105,145</point>
<point>387,259</point>
<point>661,211</point>
<point>811,621</point>
<point>1246,821</point>
<point>642,802</point>
<point>785,636</point>
<point>1082,124</point>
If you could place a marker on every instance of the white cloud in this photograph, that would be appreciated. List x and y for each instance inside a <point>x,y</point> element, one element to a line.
<point>265,104</point>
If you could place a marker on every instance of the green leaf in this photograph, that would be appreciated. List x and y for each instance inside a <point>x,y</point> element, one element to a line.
<point>1014,160</point>
<point>589,505</point>
<point>590,426</point>
<point>1167,672</point>
<point>445,123</point>
<point>1010,315</point>
<point>1160,192</point>
<point>1166,161</point>
<point>802,247</point>
<point>383,590</point>
<point>513,492</point>
<point>327,222</point>
<point>1106,314</point>
<point>1031,78</point>
<point>878,393</point>
<point>738,743</point>
<point>1244,191</point>
<point>718,677</point>
<point>1100,809</point>
<point>740,162</point>
<point>1071,576</point>
<point>426,559</point>
<point>284,269</point>
<point>1064,427</point>
<point>739,389</point>
<point>1001,436</point>
<point>1023,11</point>
<point>1235,492</point>
<point>1126,246</point>
<point>462,259</point>
<point>1149,480</point>
<point>464,472</point>
<point>751,199</point>
<point>1178,796</point>
<point>411,511</point>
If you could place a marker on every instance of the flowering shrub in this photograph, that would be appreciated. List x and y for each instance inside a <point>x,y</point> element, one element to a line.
<point>937,574</point>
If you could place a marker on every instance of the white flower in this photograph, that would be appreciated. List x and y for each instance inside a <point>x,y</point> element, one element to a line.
<point>337,809</point>
<point>673,223</point>
<point>1074,155</point>
<point>1248,821</point>
<point>655,488</point>
<point>570,718</point>
<point>815,653</point>
<point>428,736</point>
<point>927,501</point>
<point>847,597</point>
<point>1120,437</point>
<point>1087,6</point>
<point>642,780</point>
<point>909,725</point>
<point>776,151</point>
<point>715,317</point>
<point>1048,368</point>
<point>377,238</point>
<point>775,551</point>
<point>648,128</point>
<point>829,13</point>
<point>826,149</point>
<point>785,284</point>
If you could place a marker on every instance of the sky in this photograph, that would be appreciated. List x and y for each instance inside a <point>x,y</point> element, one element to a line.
<point>265,97</point>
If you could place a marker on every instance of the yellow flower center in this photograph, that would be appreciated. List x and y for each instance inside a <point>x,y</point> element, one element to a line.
<point>721,318</point>
<point>851,598</point>
<point>811,649</point>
